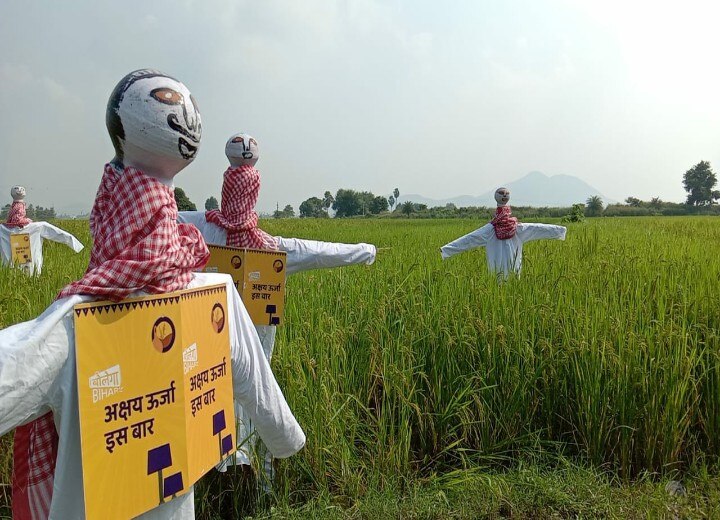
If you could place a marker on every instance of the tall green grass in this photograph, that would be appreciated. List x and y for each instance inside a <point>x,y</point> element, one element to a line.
<point>606,350</point>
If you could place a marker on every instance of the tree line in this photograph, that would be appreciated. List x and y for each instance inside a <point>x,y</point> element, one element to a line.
<point>32,212</point>
<point>699,182</point>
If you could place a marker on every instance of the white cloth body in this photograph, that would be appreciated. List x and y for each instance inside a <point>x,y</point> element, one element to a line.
<point>37,231</point>
<point>302,255</point>
<point>37,374</point>
<point>503,256</point>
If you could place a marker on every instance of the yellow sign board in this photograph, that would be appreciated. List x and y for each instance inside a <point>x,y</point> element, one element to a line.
<point>259,277</point>
<point>20,252</point>
<point>155,397</point>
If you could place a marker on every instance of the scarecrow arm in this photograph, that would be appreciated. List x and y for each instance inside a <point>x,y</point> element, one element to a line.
<point>50,232</point>
<point>303,255</point>
<point>472,240</point>
<point>530,232</point>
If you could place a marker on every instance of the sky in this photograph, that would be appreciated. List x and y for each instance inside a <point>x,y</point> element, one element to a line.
<point>436,98</point>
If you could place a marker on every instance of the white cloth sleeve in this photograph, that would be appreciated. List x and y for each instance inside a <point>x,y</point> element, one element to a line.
<point>50,232</point>
<point>530,232</point>
<point>303,255</point>
<point>472,240</point>
<point>255,387</point>
<point>32,354</point>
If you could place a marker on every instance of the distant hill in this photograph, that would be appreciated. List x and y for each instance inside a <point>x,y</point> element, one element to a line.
<point>534,189</point>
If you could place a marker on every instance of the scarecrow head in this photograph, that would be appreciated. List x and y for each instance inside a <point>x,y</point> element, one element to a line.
<point>502,196</point>
<point>17,193</point>
<point>154,124</point>
<point>242,150</point>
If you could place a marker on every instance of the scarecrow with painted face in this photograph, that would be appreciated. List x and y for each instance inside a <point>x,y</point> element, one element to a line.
<point>236,224</point>
<point>139,248</point>
<point>503,238</point>
<point>34,233</point>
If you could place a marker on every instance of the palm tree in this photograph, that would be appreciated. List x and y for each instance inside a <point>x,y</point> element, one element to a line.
<point>594,205</point>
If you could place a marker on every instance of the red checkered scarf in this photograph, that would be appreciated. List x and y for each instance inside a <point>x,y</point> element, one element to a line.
<point>504,223</point>
<point>141,249</point>
<point>16,217</point>
<point>137,243</point>
<point>241,187</point>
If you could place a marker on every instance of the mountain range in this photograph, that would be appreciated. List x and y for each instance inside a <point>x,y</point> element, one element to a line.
<point>534,189</point>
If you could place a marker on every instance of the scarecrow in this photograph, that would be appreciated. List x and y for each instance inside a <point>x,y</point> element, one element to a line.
<point>22,236</point>
<point>236,224</point>
<point>139,248</point>
<point>503,238</point>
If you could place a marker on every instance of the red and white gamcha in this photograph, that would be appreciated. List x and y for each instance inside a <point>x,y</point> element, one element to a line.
<point>138,248</point>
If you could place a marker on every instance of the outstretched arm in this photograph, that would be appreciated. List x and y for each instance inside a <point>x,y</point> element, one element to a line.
<point>56,234</point>
<point>32,354</point>
<point>472,240</point>
<point>530,232</point>
<point>255,387</point>
<point>303,255</point>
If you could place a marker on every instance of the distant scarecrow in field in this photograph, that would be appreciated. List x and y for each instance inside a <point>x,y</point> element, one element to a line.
<point>503,238</point>
<point>138,248</point>
<point>21,239</point>
<point>236,224</point>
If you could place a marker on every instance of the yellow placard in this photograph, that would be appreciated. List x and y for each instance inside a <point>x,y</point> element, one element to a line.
<point>20,252</point>
<point>259,277</point>
<point>155,397</point>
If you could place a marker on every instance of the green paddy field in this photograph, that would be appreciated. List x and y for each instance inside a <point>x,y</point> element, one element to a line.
<point>428,390</point>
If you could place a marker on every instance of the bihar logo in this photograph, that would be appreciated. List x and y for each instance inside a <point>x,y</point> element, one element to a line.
<point>217,318</point>
<point>163,334</point>
<point>105,383</point>
<point>190,358</point>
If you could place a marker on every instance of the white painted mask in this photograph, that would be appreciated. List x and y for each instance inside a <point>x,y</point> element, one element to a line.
<point>241,150</point>
<point>154,123</point>
<point>17,193</point>
<point>502,196</point>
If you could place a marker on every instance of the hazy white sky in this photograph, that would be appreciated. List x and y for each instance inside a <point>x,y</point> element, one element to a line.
<point>436,98</point>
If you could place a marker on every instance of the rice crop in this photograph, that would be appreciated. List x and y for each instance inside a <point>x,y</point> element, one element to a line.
<point>606,350</point>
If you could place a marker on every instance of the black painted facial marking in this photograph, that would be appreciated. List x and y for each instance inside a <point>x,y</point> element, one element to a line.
<point>189,140</point>
<point>239,140</point>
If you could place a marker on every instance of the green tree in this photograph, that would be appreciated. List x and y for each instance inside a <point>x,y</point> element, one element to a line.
<point>378,205</point>
<point>5,211</point>
<point>312,207</point>
<point>593,206</point>
<point>347,203</point>
<point>211,203</point>
<point>287,212</point>
<point>327,202</point>
<point>633,201</point>
<point>655,203</point>
<point>396,194</point>
<point>407,207</point>
<point>699,182</point>
<point>183,202</point>
<point>391,201</point>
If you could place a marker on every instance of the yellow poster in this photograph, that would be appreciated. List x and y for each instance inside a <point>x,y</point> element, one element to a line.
<point>20,248</point>
<point>155,397</point>
<point>259,277</point>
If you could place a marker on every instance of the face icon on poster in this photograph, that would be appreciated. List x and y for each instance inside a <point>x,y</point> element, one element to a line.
<point>236,262</point>
<point>163,334</point>
<point>217,318</point>
<point>278,265</point>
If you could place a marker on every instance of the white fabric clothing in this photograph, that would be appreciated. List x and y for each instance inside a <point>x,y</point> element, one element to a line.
<point>503,256</point>
<point>37,231</point>
<point>37,374</point>
<point>302,255</point>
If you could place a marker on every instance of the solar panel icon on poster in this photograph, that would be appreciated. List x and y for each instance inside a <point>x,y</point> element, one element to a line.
<point>219,425</point>
<point>173,485</point>
<point>270,310</point>
<point>158,459</point>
